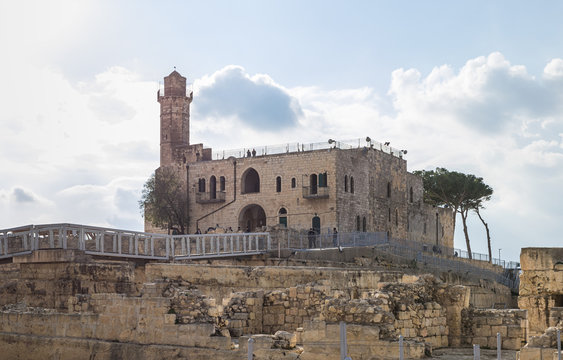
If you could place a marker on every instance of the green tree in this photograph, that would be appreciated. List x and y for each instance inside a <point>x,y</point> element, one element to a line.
<point>459,191</point>
<point>164,201</point>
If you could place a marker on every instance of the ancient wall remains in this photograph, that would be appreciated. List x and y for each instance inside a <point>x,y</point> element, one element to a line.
<point>480,326</point>
<point>541,285</point>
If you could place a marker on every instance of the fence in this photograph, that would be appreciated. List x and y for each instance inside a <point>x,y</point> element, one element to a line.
<point>129,244</point>
<point>437,257</point>
<point>133,244</point>
<point>300,147</point>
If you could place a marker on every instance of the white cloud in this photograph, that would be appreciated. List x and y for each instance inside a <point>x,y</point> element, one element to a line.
<point>554,69</point>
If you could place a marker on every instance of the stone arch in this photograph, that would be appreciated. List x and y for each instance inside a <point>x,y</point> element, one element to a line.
<point>250,181</point>
<point>252,217</point>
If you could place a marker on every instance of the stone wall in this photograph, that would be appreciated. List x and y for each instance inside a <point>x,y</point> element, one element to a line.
<point>287,309</point>
<point>48,281</point>
<point>243,313</point>
<point>541,285</point>
<point>480,326</point>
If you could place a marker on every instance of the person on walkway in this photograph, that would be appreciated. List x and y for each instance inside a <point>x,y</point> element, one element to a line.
<point>334,237</point>
<point>312,241</point>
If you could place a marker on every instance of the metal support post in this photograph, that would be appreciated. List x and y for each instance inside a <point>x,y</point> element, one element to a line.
<point>250,348</point>
<point>498,346</point>
<point>401,348</point>
<point>476,352</point>
<point>559,344</point>
<point>343,341</point>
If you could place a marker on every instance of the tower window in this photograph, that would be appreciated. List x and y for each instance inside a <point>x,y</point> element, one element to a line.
<point>389,189</point>
<point>358,223</point>
<point>278,184</point>
<point>201,185</point>
<point>396,217</point>
<point>352,184</point>
<point>411,195</point>
<point>364,224</point>
<point>293,183</point>
<point>345,183</point>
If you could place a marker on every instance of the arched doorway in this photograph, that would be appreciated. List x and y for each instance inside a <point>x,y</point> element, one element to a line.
<point>316,224</point>
<point>282,214</point>
<point>251,218</point>
<point>250,181</point>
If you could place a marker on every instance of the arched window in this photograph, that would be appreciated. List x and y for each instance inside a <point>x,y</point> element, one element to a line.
<point>352,184</point>
<point>358,223</point>
<point>313,184</point>
<point>410,195</point>
<point>278,184</point>
<point>345,183</point>
<point>389,189</point>
<point>250,181</point>
<point>201,185</point>
<point>293,183</point>
<point>222,183</point>
<point>213,187</point>
<point>323,180</point>
<point>364,224</point>
<point>283,217</point>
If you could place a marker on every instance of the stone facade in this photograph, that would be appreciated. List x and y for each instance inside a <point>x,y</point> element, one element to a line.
<point>357,189</point>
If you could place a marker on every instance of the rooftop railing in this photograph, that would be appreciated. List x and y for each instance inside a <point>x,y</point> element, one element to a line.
<point>302,147</point>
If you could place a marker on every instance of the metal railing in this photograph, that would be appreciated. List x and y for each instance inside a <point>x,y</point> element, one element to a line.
<point>436,257</point>
<point>128,244</point>
<point>210,197</point>
<point>300,147</point>
<point>318,192</point>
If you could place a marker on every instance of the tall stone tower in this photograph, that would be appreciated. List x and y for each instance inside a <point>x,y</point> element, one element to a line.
<point>174,120</point>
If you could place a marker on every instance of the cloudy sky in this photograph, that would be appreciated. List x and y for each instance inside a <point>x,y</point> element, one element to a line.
<point>475,87</point>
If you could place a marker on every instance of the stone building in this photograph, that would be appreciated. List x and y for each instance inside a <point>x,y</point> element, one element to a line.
<point>351,188</point>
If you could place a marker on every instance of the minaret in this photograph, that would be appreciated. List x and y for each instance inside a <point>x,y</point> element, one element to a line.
<point>174,119</point>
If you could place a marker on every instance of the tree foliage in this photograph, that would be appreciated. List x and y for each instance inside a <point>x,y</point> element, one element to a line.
<point>462,192</point>
<point>164,201</point>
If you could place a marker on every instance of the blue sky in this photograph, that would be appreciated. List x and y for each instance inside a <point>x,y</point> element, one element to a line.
<point>475,87</point>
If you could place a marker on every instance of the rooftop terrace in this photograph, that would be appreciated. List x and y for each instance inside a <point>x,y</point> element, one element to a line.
<point>299,147</point>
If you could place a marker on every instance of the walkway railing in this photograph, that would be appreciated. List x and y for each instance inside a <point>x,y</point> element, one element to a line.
<point>430,256</point>
<point>128,244</point>
<point>300,147</point>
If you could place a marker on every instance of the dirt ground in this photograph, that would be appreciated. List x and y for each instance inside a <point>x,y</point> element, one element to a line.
<point>467,354</point>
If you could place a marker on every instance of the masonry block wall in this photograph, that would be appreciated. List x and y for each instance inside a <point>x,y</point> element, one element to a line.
<point>541,285</point>
<point>480,326</point>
